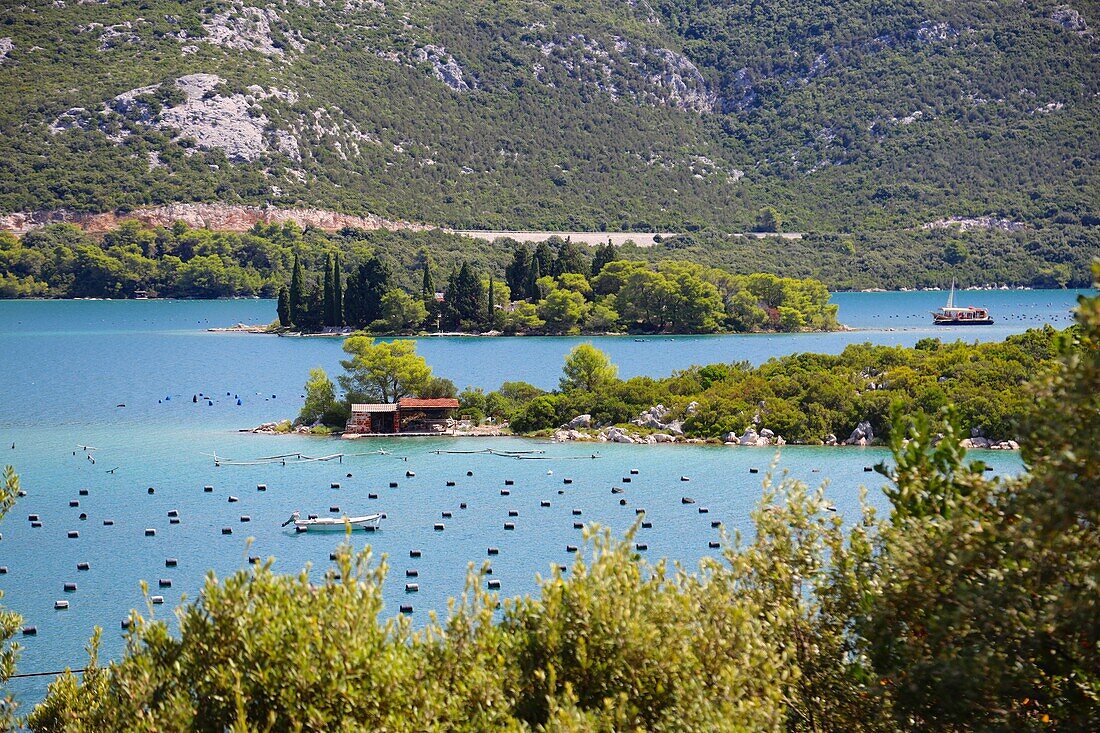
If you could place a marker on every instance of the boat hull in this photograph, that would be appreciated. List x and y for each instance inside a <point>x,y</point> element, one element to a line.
<point>368,524</point>
<point>984,322</point>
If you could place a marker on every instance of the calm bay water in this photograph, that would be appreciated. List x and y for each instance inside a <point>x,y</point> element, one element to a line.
<point>67,366</point>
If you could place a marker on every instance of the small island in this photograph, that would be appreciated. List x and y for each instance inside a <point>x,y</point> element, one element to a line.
<point>553,290</point>
<point>851,398</point>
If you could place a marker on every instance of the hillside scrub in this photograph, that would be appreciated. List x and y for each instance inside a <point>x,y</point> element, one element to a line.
<point>580,114</point>
<point>813,624</point>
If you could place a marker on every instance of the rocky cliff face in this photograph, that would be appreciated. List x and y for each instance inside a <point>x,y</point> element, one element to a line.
<point>220,217</point>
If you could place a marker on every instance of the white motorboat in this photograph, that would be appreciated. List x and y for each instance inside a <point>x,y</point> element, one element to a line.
<point>368,522</point>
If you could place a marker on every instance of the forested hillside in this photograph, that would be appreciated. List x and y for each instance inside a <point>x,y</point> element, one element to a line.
<point>587,114</point>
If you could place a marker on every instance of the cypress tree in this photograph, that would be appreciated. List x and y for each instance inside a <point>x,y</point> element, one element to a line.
<point>515,274</point>
<point>284,307</point>
<point>295,295</point>
<point>427,286</point>
<point>328,296</point>
<point>375,280</point>
<point>467,296</point>
<point>604,253</point>
<point>490,311</point>
<point>337,294</point>
<point>533,274</point>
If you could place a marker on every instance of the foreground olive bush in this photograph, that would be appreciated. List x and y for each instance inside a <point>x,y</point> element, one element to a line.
<point>973,607</point>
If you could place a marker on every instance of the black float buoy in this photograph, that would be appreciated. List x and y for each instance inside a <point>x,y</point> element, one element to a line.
<point>412,587</point>
<point>246,518</point>
<point>626,479</point>
<point>576,512</point>
<point>544,503</point>
<point>438,527</point>
<point>173,513</point>
<point>493,584</point>
<point>412,573</point>
<point>450,483</point>
<point>30,631</point>
<point>227,530</point>
<point>647,525</point>
<point>641,546</point>
<point>703,510</point>
<point>334,509</point>
<point>445,515</point>
<point>639,510</point>
<point>406,609</point>
<point>493,551</point>
<point>510,525</point>
<point>687,500</point>
<point>83,566</point>
<point>462,505</point>
<point>414,553</point>
<point>716,524</point>
<point>82,492</point>
<point>505,492</point>
<point>149,532</point>
<point>714,545</point>
<point>617,490</point>
<point>754,470</point>
<point>570,548</point>
<point>393,484</point>
<point>73,534</point>
<point>372,496</point>
<point>208,489</point>
<point>685,478</point>
<point>261,487</point>
<point>567,480</point>
<point>622,502</point>
<point>233,499</point>
<point>152,490</point>
<point>83,516</point>
<point>513,513</point>
<point>509,482</point>
<point>74,503</point>
<point>164,583</point>
<point>409,474</point>
<point>867,469</point>
<point>108,522</point>
<point>578,525</point>
<point>170,562</point>
<point>633,472</point>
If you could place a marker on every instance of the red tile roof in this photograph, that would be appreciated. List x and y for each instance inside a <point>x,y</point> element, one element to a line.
<point>436,402</point>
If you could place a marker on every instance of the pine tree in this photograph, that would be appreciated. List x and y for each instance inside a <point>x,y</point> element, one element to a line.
<point>570,259</point>
<point>295,295</point>
<point>337,294</point>
<point>328,295</point>
<point>284,308</point>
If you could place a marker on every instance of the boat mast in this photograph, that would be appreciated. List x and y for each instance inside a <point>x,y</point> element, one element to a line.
<point>951,295</point>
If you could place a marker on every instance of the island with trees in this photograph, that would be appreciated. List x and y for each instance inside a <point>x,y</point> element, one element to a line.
<point>817,399</point>
<point>561,290</point>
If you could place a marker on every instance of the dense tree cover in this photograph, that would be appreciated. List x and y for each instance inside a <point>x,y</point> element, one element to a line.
<point>62,261</point>
<point>670,296</point>
<point>839,117</point>
<point>383,371</point>
<point>805,397</point>
<point>973,606</point>
<point>1047,257</point>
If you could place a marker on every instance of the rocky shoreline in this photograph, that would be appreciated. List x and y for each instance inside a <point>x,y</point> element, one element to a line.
<point>581,429</point>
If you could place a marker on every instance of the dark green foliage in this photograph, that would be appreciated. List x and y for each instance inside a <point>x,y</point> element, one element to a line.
<point>283,308</point>
<point>517,273</point>
<point>337,293</point>
<point>464,298</point>
<point>295,296</point>
<point>329,294</point>
<point>363,297</point>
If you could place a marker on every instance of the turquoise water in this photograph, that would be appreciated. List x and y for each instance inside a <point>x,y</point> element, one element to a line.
<point>66,366</point>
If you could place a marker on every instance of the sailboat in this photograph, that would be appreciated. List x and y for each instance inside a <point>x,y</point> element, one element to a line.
<point>952,315</point>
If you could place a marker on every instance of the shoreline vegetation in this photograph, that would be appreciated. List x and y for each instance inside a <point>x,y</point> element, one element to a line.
<point>887,619</point>
<point>801,399</point>
<point>179,261</point>
<point>554,289</point>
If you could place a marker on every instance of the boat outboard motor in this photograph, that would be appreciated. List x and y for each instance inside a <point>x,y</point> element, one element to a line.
<point>293,518</point>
